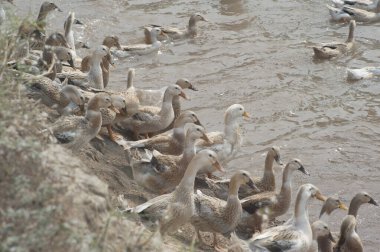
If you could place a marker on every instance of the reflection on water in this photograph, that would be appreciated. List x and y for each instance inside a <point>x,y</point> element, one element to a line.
<point>258,53</point>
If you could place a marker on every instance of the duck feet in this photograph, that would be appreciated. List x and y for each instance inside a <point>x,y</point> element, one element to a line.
<point>110,133</point>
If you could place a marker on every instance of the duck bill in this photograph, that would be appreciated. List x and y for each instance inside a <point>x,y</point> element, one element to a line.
<point>58,9</point>
<point>373,202</point>
<point>205,137</point>
<point>331,238</point>
<point>218,167</point>
<point>342,206</point>
<point>253,186</point>
<point>303,170</point>
<point>78,22</point>
<point>198,123</point>
<point>246,115</point>
<point>320,197</point>
<point>183,95</point>
<point>193,88</point>
<point>113,108</point>
<point>278,160</point>
<point>71,62</point>
<point>118,46</point>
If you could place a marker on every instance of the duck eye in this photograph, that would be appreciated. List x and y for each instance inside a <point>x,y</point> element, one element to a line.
<point>209,155</point>
<point>198,130</point>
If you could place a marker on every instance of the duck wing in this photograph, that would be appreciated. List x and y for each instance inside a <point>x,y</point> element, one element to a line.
<point>280,240</point>
<point>255,202</point>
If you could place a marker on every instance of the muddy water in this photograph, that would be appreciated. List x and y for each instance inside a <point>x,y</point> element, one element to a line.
<point>257,53</point>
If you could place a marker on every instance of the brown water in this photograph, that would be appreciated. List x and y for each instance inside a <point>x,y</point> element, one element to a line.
<point>257,53</point>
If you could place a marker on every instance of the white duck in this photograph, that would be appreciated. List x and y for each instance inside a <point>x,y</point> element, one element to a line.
<point>69,34</point>
<point>363,73</point>
<point>360,4</point>
<point>143,49</point>
<point>226,144</point>
<point>295,237</point>
<point>94,77</point>
<point>349,13</point>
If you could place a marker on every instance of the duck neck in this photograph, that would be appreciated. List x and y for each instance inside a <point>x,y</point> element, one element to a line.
<point>231,132</point>
<point>69,34</point>
<point>95,74</point>
<point>179,134</point>
<point>269,178</point>
<point>94,117</point>
<point>167,105</point>
<point>233,188</point>
<point>286,188</point>
<point>187,181</point>
<point>189,150</point>
<point>233,209</point>
<point>351,33</point>
<point>324,244</point>
<point>153,38</point>
<point>192,28</point>
<point>176,106</point>
<point>354,206</point>
<point>301,215</point>
<point>42,16</point>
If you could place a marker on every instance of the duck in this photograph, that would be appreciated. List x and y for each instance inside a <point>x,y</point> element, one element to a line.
<point>322,237</point>
<point>2,11</point>
<point>219,216</point>
<point>349,13</point>
<point>109,114</point>
<point>45,9</point>
<point>329,206</point>
<point>172,143</point>
<point>145,123</point>
<point>153,97</point>
<point>62,98</point>
<point>275,203</point>
<point>94,77</point>
<point>162,173</point>
<point>57,39</point>
<point>176,208</point>
<point>349,240</point>
<point>176,33</point>
<point>105,64</point>
<point>334,49</point>
<point>358,200</point>
<point>112,41</point>
<point>264,184</point>
<point>362,73</point>
<point>69,34</point>
<point>294,237</point>
<point>226,144</point>
<point>76,131</point>
<point>144,49</point>
<point>109,42</point>
<point>360,4</point>
<point>60,54</point>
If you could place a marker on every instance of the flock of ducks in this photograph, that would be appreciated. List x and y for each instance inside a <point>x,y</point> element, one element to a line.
<point>169,149</point>
<point>363,11</point>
